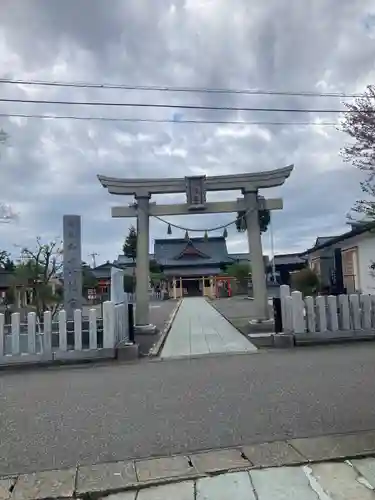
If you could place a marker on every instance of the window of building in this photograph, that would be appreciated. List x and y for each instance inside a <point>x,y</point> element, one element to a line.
<point>349,257</point>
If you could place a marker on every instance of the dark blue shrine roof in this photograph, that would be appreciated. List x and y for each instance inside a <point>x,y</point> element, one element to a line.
<point>197,252</point>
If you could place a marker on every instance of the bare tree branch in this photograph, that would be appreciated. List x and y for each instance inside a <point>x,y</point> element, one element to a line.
<point>359,124</point>
<point>39,266</point>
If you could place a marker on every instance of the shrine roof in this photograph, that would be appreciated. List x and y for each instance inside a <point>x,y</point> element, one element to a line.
<point>193,252</point>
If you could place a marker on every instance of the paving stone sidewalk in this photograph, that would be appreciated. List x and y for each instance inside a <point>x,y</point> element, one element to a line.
<point>323,481</point>
<point>322,468</point>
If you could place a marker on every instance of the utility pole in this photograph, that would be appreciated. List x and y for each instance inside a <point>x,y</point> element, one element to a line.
<point>93,255</point>
<point>272,251</point>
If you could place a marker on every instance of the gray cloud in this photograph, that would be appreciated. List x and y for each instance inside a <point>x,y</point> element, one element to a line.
<point>49,167</point>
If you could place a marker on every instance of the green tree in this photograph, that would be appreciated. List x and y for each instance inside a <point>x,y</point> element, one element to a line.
<point>359,124</point>
<point>130,245</point>
<point>154,267</point>
<point>306,281</point>
<point>264,220</point>
<point>240,270</point>
<point>6,263</point>
<point>130,250</point>
<point>38,271</point>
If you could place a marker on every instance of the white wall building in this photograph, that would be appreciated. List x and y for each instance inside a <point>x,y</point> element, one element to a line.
<point>357,252</point>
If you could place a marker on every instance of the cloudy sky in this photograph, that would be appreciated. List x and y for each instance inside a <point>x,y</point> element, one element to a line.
<point>49,167</point>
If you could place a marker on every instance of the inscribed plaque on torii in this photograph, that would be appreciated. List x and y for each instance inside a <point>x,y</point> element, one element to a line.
<point>196,192</point>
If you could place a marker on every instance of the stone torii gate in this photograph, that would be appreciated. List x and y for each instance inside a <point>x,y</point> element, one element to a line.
<point>195,188</point>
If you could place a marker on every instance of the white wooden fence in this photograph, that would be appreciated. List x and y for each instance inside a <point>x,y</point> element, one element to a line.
<point>80,338</point>
<point>324,314</point>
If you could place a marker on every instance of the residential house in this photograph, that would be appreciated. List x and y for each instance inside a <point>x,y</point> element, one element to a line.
<point>350,255</point>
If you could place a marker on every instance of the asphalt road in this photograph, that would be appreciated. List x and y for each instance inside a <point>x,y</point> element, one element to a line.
<point>51,418</point>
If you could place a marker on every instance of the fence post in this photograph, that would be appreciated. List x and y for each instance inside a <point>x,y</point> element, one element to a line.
<point>284,292</point>
<point>310,314</point>
<point>366,311</point>
<point>2,336</point>
<point>63,337</point>
<point>344,312</point>
<point>333,322</point>
<point>298,320</point>
<point>15,328</point>
<point>354,311</point>
<point>108,325</point>
<point>322,314</point>
<point>93,329</point>
<point>288,315</point>
<point>277,316</point>
<point>131,322</point>
<point>31,333</point>
<point>47,332</point>
<point>77,315</point>
<point>372,300</point>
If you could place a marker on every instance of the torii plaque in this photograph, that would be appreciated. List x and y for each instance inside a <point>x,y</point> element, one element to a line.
<point>196,192</point>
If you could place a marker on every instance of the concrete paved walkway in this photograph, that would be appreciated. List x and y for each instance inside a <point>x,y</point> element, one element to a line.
<point>199,329</point>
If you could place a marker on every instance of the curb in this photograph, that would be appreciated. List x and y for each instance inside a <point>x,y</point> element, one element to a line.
<point>99,480</point>
<point>157,347</point>
<point>56,362</point>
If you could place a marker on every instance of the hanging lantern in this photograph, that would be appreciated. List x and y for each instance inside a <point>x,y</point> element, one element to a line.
<point>169,231</point>
<point>225,233</point>
<point>205,236</point>
<point>186,235</point>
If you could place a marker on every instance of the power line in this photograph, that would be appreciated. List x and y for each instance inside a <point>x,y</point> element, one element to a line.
<point>156,120</point>
<point>167,88</point>
<point>174,106</point>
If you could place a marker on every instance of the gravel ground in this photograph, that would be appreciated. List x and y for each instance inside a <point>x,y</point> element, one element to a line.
<point>238,311</point>
<point>52,418</point>
<point>238,307</point>
<point>159,315</point>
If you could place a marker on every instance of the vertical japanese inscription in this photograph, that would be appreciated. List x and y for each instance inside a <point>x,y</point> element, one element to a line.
<point>72,264</point>
<point>196,192</point>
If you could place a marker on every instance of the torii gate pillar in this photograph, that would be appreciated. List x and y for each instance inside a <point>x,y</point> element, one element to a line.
<point>258,271</point>
<point>142,272</point>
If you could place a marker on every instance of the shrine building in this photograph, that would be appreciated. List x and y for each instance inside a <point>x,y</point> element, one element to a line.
<point>195,266</point>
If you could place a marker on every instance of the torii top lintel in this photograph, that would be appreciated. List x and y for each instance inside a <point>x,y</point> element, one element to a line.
<point>245,182</point>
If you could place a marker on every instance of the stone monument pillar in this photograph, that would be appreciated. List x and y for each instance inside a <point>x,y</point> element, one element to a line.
<point>72,264</point>
<point>258,271</point>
